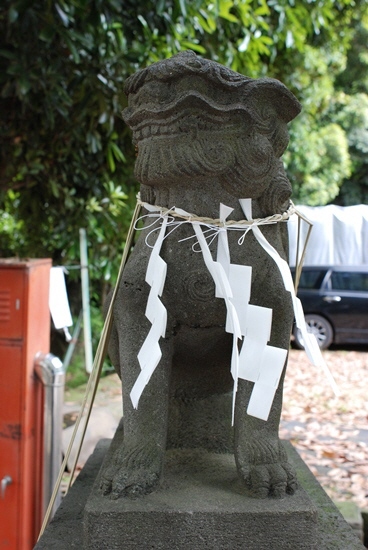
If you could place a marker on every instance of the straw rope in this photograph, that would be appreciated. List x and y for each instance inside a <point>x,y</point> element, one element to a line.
<point>275,218</point>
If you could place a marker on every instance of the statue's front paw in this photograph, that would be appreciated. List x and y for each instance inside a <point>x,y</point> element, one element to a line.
<point>274,480</point>
<point>134,483</point>
<point>265,470</point>
<point>132,472</point>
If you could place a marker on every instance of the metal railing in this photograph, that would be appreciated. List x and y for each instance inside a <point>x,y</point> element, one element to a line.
<point>51,372</point>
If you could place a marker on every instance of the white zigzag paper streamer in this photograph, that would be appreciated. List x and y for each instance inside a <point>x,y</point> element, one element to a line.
<point>150,353</point>
<point>257,362</point>
<point>311,346</point>
<point>223,290</point>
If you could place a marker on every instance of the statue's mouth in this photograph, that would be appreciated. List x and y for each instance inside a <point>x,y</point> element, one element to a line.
<point>189,114</point>
<point>185,124</point>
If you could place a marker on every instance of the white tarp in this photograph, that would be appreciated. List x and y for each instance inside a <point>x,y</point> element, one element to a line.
<point>339,235</point>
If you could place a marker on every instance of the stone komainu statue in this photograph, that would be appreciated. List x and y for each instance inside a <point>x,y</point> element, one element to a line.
<point>204,135</point>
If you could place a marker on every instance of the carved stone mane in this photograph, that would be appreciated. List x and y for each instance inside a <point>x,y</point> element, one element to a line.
<point>251,116</point>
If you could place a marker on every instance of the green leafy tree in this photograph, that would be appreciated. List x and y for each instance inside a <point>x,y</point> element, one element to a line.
<point>351,111</point>
<point>62,164</point>
<point>318,158</point>
<point>66,158</point>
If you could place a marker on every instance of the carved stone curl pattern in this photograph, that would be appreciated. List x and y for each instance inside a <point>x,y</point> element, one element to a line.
<point>198,286</point>
<point>276,198</point>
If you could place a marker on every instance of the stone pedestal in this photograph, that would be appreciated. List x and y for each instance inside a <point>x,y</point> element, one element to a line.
<point>201,504</point>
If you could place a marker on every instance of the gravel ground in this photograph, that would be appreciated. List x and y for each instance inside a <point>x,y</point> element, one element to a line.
<point>330,433</point>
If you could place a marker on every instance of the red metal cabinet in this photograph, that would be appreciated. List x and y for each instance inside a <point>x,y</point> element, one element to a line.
<point>24,331</point>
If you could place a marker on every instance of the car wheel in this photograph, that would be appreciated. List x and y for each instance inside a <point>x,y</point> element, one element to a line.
<point>320,327</point>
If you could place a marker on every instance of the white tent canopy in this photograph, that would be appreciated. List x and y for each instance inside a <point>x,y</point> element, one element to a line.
<point>339,235</point>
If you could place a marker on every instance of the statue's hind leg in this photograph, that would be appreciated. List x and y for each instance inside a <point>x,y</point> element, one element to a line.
<point>135,466</point>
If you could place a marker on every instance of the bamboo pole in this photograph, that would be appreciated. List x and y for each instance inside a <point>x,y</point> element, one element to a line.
<point>94,376</point>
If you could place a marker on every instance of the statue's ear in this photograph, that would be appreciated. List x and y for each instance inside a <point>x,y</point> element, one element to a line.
<point>271,106</point>
<point>270,94</point>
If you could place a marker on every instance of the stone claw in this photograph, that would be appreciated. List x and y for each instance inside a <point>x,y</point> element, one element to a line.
<point>266,472</point>
<point>131,472</point>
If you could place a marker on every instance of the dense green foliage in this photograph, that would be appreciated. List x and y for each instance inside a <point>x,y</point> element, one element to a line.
<point>66,160</point>
<point>62,71</point>
<point>351,111</point>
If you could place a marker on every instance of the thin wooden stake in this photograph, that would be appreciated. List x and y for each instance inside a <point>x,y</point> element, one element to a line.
<point>299,262</point>
<point>95,375</point>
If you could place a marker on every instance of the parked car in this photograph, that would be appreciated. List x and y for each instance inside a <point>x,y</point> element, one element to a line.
<point>335,303</point>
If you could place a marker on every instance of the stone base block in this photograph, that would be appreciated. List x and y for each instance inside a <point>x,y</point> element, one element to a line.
<point>201,504</point>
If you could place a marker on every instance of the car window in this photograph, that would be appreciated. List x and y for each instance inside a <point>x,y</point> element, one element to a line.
<point>345,280</point>
<point>311,279</point>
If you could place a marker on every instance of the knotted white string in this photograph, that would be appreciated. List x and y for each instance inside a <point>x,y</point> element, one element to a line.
<point>176,217</point>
